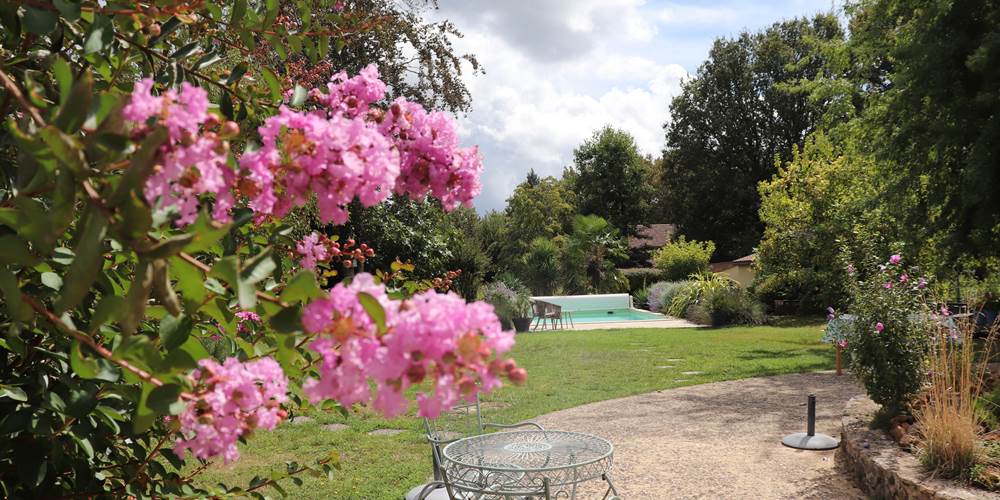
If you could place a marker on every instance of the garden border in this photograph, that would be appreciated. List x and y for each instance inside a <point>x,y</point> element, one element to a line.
<point>882,469</point>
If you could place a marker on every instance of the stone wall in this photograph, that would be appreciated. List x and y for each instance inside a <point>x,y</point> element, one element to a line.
<point>882,469</point>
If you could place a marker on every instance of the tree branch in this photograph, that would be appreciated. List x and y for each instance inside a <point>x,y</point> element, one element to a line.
<point>14,91</point>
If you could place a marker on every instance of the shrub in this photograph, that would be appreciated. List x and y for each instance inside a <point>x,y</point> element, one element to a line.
<point>698,288</point>
<point>662,294</point>
<point>888,342</point>
<point>682,258</point>
<point>949,417</point>
<point>508,302</point>
<point>733,306</point>
<point>640,298</point>
<point>642,277</point>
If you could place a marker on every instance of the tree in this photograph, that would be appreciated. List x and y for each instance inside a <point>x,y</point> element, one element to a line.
<point>592,250</point>
<point>544,210</point>
<point>933,128</point>
<point>613,181</point>
<point>732,121</point>
<point>156,309</point>
<point>681,258</point>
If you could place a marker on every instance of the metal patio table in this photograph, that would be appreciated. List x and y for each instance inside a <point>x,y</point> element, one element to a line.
<point>526,464</point>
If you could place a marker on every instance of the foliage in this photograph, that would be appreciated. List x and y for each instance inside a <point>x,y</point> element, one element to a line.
<point>662,293</point>
<point>932,126</point>
<point>681,258</point>
<point>732,120</point>
<point>698,289</point>
<point>508,302</point>
<point>591,252</point>
<point>542,210</point>
<point>640,297</point>
<point>541,266</point>
<point>613,181</point>
<point>947,417</point>
<point>130,259</point>
<point>819,213</point>
<point>888,343</point>
<point>641,277</point>
<point>729,306</point>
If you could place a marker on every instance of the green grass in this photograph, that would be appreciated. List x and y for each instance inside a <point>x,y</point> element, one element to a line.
<point>565,369</point>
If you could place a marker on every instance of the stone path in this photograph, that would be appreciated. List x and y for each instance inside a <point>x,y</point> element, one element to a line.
<point>720,440</point>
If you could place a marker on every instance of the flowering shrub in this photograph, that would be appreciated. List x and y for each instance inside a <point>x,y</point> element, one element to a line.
<point>662,293</point>
<point>152,309</point>
<point>887,339</point>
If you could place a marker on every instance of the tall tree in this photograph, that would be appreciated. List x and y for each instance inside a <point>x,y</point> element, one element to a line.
<point>732,121</point>
<point>543,210</point>
<point>934,129</point>
<point>613,181</point>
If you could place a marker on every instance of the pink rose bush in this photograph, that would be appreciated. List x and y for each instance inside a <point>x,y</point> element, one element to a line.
<point>235,398</point>
<point>343,149</point>
<point>433,336</point>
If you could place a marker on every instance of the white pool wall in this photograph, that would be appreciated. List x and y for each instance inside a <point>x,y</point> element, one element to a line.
<point>598,302</point>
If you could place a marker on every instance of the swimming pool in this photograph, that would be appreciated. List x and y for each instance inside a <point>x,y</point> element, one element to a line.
<point>614,315</point>
<point>603,308</point>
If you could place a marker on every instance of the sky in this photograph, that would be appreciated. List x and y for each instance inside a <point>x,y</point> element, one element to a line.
<point>558,70</point>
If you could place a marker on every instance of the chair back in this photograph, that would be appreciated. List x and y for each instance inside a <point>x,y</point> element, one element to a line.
<point>538,308</point>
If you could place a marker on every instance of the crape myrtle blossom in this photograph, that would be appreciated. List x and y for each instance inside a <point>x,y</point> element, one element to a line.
<point>234,399</point>
<point>315,248</point>
<point>343,150</point>
<point>192,162</point>
<point>247,319</point>
<point>432,336</point>
<point>349,150</point>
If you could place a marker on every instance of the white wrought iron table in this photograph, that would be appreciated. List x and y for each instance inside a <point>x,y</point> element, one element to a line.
<point>526,464</point>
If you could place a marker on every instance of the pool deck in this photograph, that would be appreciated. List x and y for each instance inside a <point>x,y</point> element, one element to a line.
<point>667,322</point>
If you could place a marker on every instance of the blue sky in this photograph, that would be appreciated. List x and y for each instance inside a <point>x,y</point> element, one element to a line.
<point>557,70</point>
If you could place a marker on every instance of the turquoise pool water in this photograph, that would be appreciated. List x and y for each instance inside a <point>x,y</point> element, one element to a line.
<point>613,315</point>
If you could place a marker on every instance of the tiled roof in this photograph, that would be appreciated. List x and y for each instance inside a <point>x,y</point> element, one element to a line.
<point>654,235</point>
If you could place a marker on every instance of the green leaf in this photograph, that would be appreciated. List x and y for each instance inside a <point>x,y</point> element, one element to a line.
<point>144,415</point>
<point>65,148</point>
<point>374,310</point>
<point>140,167</point>
<point>207,60</point>
<point>258,268</point>
<point>87,264</point>
<point>68,9</point>
<point>166,399</point>
<point>190,280</point>
<point>301,287</point>
<point>108,309</point>
<point>272,83</point>
<point>40,21</point>
<point>174,331</point>
<point>138,295</point>
<point>99,36</point>
<point>74,113</point>
<point>237,73</point>
<point>52,280</point>
<point>207,232</point>
<point>185,51</point>
<point>11,392</point>
<point>167,247</point>
<point>288,320</point>
<point>84,367</point>
<point>16,307</point>
<point>14,250</point>
<point>299,96</point>
<point>194,348</point>
<point>239,10</point>
<point>64,77</point>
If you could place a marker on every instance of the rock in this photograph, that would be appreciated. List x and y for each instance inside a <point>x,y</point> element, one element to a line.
<point>386,432</point>
<point>301,419</point>
<point>336,427</point>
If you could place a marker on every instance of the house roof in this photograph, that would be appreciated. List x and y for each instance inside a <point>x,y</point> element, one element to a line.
<point>654,235</point>
<point>746,260</point>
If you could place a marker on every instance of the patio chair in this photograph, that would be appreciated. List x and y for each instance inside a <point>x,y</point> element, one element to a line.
<point>462,421</point>
<point>538,311</point>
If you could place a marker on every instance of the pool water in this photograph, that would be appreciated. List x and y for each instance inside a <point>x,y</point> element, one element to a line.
<point>614,315</point>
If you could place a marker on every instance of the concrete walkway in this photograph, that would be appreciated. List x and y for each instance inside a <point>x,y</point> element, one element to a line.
<point>720,440</point>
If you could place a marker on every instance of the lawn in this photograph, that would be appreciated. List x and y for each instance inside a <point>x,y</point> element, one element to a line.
<point>565,369</point>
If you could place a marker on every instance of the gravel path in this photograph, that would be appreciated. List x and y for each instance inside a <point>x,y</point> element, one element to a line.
<point>720,440</point>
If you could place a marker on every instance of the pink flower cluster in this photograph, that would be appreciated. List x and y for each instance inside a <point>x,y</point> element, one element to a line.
<point>348,150</point>
<point>247,319</point>
<point>432,336</point>
<point>235,399</point>
<point>192,162</point>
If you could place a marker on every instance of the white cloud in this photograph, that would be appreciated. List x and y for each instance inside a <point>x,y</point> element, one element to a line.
<point>558,70</point>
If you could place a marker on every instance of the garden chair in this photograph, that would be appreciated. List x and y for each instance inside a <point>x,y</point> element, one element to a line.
<point>538,311</point>
<point>462,421</point>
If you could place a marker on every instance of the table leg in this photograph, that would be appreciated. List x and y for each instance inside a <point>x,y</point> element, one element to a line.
<point>611,487</point>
